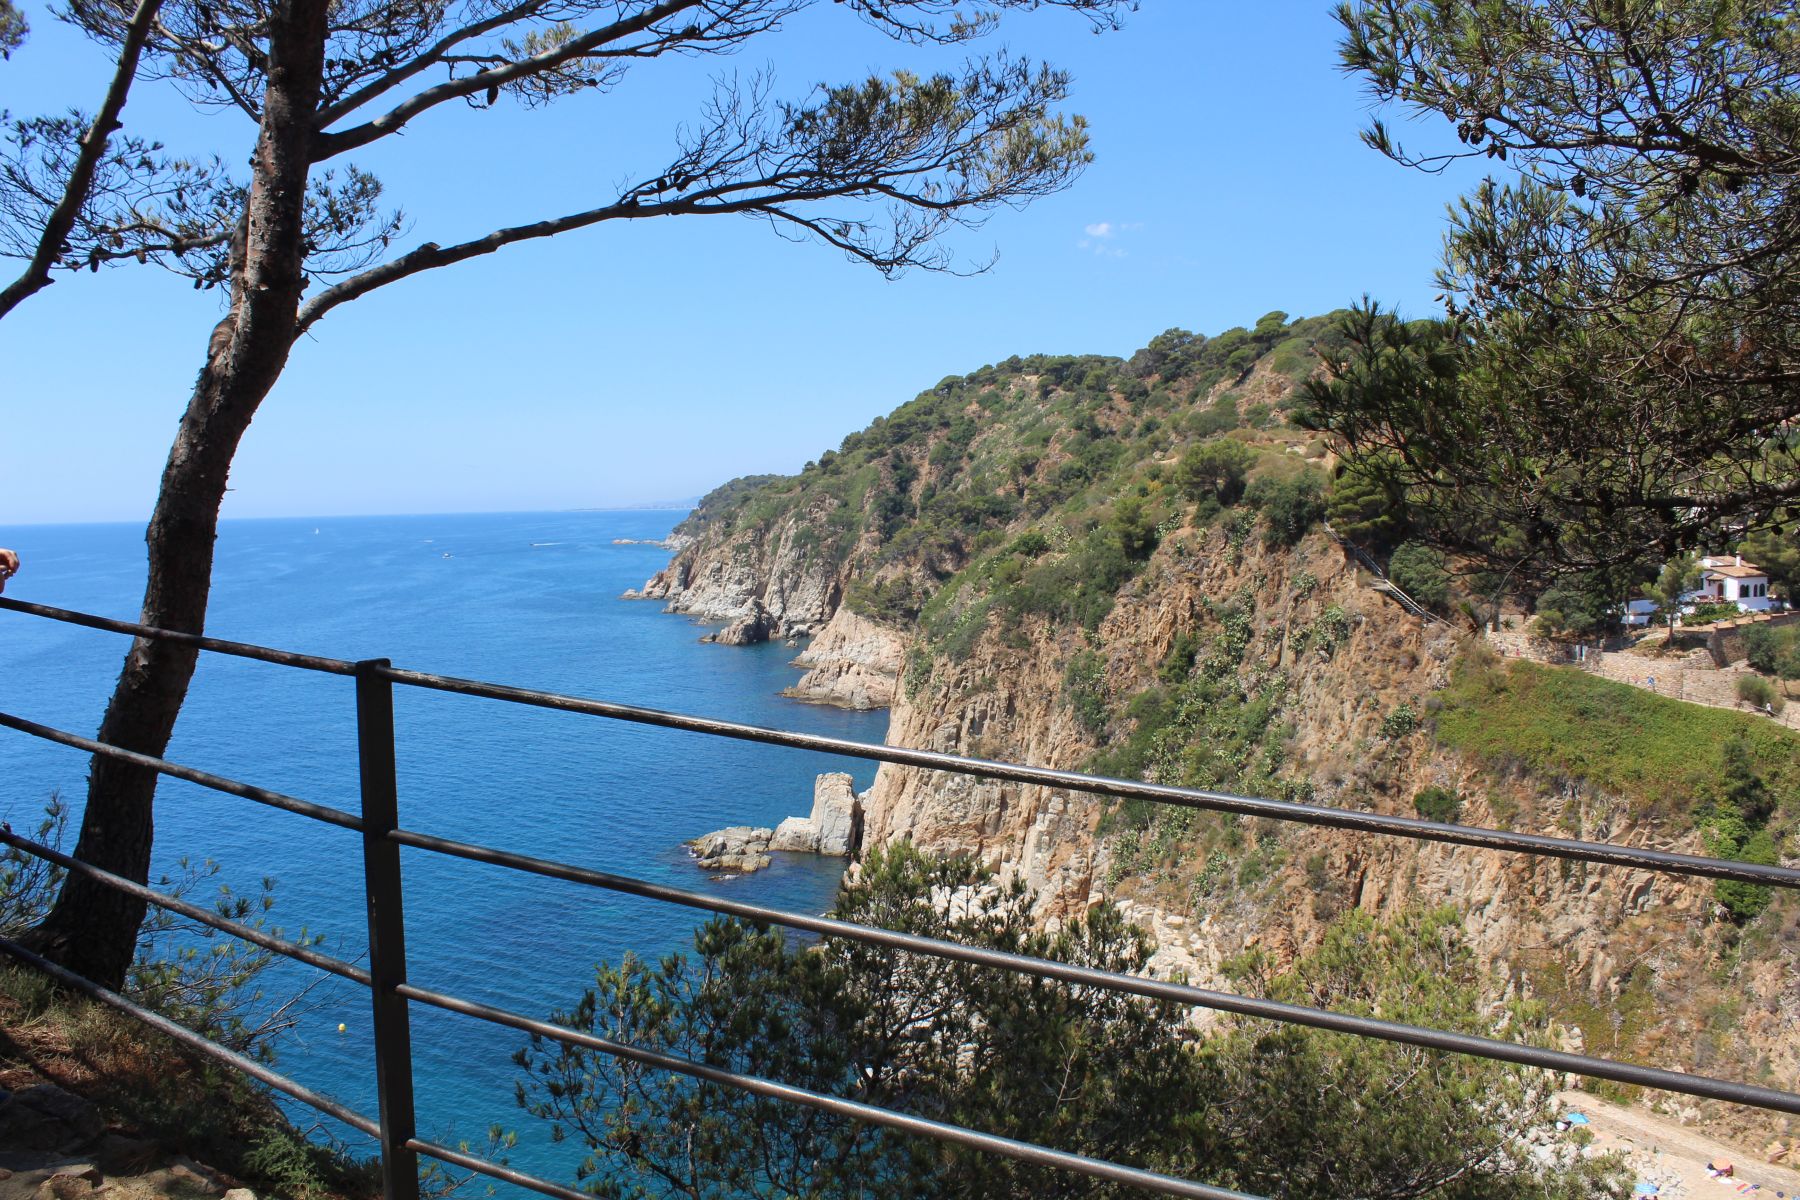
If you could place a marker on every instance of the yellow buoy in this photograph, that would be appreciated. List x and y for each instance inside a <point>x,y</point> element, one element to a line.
<point>340,1027</point>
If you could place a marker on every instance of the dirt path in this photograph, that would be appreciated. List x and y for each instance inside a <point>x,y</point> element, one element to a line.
<point>1674,1157</point>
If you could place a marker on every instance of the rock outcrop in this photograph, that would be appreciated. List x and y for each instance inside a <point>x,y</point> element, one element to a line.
<point>835,825</point>
<point>740,849</point>
<point>755,627</point>
<point>834,828</point>
<point>854,662</point>
<point>783,574</point>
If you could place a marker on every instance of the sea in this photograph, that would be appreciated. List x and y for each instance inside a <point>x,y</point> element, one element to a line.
<point>524,599</point>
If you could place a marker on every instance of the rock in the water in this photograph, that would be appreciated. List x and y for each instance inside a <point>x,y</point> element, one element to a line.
<point>749,630</point>
<point>736,864</point>
<point>835,826</point>
<point>741,849</point>
<point>796,835</point>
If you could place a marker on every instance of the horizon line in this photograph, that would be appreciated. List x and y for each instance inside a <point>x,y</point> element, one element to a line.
<point>664,506</point>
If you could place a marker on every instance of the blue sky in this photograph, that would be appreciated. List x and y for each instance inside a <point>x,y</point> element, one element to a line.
<point>649,361</point>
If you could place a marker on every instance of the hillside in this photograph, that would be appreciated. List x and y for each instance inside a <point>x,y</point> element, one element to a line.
<point>1119,565</point>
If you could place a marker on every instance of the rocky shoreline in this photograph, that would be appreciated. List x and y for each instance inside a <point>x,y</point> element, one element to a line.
<point>833,828</point>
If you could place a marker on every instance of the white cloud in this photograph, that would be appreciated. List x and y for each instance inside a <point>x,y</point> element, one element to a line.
<point>1101,236</point>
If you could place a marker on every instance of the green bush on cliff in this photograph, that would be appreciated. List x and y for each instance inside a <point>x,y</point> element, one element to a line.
<point>1215,470</point>
<point>1290,507</point>
<point>1421,573</point>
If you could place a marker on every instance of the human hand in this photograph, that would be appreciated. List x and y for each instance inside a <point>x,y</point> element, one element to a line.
<point>9,566</point>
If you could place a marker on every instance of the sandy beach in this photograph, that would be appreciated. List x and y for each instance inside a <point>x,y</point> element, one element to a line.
<point>1674,1157</point>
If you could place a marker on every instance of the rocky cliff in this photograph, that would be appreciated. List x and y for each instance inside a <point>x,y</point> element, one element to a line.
<point>1033,563</point>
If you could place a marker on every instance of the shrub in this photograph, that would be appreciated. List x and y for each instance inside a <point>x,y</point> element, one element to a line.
<point>1419,571</point>
<point>1437,803</point>
<point>1746,901</point>
<point>1214,470</point>
<point>1080,586</point>
<point>1134,525</point>
<point>1706,613</point>
<point>1290,507</point>
<point>1221,416</point>
<point>1402,721</point>
<point>1577,605</point>
<point>1758,692</point>
<point>1085,681</point>
<point>1774,651</point>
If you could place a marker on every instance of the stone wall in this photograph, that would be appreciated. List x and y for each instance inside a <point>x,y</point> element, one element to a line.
<point>1725,639</point>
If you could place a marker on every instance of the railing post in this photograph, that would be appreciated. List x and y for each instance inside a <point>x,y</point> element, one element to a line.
<point>387,929</point>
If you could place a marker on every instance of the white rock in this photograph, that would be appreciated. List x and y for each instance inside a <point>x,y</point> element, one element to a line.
<point>835,826</point>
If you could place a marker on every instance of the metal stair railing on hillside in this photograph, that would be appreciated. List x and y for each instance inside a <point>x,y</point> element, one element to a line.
<point>392,993</point>
<point>1383,584</point>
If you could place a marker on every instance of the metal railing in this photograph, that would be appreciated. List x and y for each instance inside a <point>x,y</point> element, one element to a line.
<point>392,994</point>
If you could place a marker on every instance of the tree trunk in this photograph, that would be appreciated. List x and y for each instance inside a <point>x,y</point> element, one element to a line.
<point>93,929</point>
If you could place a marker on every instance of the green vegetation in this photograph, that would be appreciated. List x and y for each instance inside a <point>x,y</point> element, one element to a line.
<point>1735,777</point>
<point>1759,693</point>
<point>145,1083</point>
<point>1401,721</point>
<point>1421,573</point>
<point>1437,803</point>
<point>1214,470</point>
<point>1085,680</point>
<point>1706,612</point>
<point>1613,275</point>
<point>1284,1111</point>
<point>1329,630</point>
<point>722,503</point>
<point>1290,507</point>
<point>1039,487</point>
<point>197,977</point>
<point>1774,651</point>
<point>1736,825</point>
<point>1657,753</point>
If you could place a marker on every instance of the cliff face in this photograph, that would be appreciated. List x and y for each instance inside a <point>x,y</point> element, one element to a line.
<point>1048,590</point>
<point>780,571</point>
<point>854,662</point>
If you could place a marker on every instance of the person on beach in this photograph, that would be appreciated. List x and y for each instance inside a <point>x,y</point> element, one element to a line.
<point>9,566</point>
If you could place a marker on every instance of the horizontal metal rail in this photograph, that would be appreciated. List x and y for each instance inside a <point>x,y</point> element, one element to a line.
<point>193,912</point>
<point>1280,810</point>
<point>836,1105</point>
<point>162,766</point>
<point>1175,993</point>
<point>462,1158</point>
<point>194,1041</point>
<point>281,658</point>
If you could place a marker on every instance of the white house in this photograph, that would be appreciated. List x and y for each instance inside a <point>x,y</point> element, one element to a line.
<point>1638,614</point>
<point>1728,579</point>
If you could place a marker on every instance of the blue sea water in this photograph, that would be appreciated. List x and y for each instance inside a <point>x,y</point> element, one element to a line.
<point>526,599</point>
